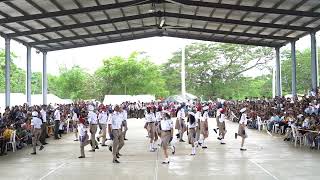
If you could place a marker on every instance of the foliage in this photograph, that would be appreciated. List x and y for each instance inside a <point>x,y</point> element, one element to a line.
<point>216,70</point>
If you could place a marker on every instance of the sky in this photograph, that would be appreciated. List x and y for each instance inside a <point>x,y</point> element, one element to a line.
<point>160,49</point>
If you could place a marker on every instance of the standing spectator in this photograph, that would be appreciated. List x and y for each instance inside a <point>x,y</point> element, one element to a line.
<point>56,122</point>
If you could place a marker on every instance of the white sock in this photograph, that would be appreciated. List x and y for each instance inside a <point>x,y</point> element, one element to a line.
<point>151,147</point>
<point>193,150</point>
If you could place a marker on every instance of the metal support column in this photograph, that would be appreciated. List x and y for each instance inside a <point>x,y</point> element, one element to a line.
<point>28,86</point>
<point>314,68</point>
<point>294,69</point>
<point>278,72</point>
<point>44,79</point>
<point>7,71</point>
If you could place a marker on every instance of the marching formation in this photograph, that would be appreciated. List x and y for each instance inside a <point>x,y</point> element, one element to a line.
<point>93,123</point>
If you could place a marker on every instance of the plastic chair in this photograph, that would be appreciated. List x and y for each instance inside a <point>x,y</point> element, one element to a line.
<point>275,128</point>
<point>260,123</point>
<point>296,136</point>
<point>12,142</point>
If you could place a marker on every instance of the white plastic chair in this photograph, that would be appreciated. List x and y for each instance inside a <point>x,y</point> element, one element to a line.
<point>260,123</point>
<point>296,136</point>
<point>12,142</point>
<point>275,128</point>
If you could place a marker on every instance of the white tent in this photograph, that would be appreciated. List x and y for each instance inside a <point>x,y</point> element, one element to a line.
<point>119,99</point>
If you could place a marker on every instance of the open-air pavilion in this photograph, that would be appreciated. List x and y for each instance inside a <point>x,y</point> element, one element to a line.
<point>51,25</point>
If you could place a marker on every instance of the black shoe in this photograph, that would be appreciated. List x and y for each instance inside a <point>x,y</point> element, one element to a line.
<point>34,153</point>
<point>119,154</point>
<point>243,149</point>
<point>235,135</point>
<point>57,138</point>
<point>98,139</point>
<point>81,157</point>
<point>104,145</point>
<point>92,150</point>
<point>204,147</point>
<point>178,135</point>
<point>125,139</point>
<point>76,140</point>
<point>41,147</point>
<point>110,148</point>
<point>181,140</point>
<point>285,139</point>
<point>174,150</point>
<point>45,143</point>
<point>165,162</point>
<point>215,131</point>
<point>115,161</point>
<point>219,138</point>
<point>97,147</point>
<point>222,143</point>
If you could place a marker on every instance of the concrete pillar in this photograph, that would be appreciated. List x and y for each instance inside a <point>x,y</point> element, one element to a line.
<point>183,72</point>
<point>294,69</point>
<point>29,74</point>
<point>44,79</point>
<point>314,63</point>
<point>278,73</point>
<point>7,71</point>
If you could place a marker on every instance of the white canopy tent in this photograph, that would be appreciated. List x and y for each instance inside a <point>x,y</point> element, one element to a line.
<point>119,99</point>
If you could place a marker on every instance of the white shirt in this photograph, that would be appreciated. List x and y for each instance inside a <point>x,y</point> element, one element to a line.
<point>36,122</point>
<point>82,130</point>
<point>75,117</point>
<point>57,115</point>
<point>222,118</point>
<point>181,114</point>
<point>158,116</point>
<point>198,115</point>
<point>166,125</point>
<point>124,115</point>
<point>205,116</point>
<point>103,118</point>
<point>150,117</point>
<point>243,119</point>
<point>43,115</point>
<point>92,118</point>
<point>116,120</point>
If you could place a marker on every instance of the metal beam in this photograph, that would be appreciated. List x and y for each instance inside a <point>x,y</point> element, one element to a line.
<point>82,25</point>
<point>248,8</point>
<point>294,69</point>
<point>112,40</point>
<point>314,62</point>
<point>7,71</point>
<point>29,74</point>
<point>44,79</point>
<point>146,28</point>
<point>238,22</point>
<point>215,39</point>
<point>73,11</point>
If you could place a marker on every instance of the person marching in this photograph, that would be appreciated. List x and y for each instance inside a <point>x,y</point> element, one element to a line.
<point>75,120</point>
<point>36,131</point>
<point>44,128</point>
<point>103,121</point>
<point>198,117</point>
<point>157,124</point>
<point>115,131</point>
<point>222,126</point>
<point>83,136</point>
<point>150,120</point>
<point>192,126</point>
<point>180,124</point>
<point>125,123</point>
<point>57,119</point>
<point>204,127</point>
<point>93,125</point>
<point>166,134</point>
<point>242,128</point>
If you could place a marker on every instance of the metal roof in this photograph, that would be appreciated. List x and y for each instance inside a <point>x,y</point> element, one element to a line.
<point>50,25</point>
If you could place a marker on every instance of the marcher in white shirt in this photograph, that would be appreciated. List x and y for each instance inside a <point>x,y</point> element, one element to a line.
<point>115,131</point>
<point>180,123</point>
<point>192,125</point>
<point>159,117</point>
<point>44,134</point>
<point>166,127</point>
<point>242,128</point>
<point>125,123</point>
<point>93,126</point>
<point>151,120</point>
<point>198,117</point>
<point>75,120</point>
<point>83,136</point>
<point>204,131</point>
<point>56,122</point>
<point>222,126</point>
<point>36,131</point>
<point>103,118</point>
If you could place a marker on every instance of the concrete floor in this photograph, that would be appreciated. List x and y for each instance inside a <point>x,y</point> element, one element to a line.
<point>267,158</point>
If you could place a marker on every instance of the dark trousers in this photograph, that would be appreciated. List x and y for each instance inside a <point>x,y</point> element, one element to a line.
<point>56,129</point>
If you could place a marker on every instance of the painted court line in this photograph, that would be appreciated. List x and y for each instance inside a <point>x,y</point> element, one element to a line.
<point>52,171</point>
<point>266,171</point>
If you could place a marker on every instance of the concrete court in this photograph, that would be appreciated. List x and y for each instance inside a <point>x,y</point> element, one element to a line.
<point>267,158</point>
